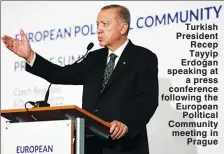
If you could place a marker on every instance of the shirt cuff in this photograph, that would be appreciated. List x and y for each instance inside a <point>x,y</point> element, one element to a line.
<point>33,60</point>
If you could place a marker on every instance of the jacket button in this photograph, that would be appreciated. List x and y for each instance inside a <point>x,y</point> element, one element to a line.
<point>95,111</point>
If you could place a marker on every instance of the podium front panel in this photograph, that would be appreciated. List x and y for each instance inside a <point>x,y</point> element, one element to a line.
<point>54,137</point>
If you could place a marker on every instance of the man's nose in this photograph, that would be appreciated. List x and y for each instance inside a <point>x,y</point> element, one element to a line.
<point>99,30</point>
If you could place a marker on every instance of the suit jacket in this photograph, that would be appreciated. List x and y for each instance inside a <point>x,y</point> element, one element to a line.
<point>130,96</point>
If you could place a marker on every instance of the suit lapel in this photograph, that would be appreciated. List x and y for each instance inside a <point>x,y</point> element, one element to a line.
<point>120,68</point>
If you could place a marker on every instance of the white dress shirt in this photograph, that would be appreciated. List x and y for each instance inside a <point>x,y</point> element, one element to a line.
<point>117,52</point>
<point>32,61</point>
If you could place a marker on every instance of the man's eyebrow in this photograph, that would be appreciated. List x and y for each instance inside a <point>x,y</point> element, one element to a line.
<point>101,21</point>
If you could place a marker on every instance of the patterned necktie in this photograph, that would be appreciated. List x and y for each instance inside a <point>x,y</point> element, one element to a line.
<point>108,71</point>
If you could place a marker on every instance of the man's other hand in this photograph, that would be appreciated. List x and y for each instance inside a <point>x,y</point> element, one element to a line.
<point>118,129</point>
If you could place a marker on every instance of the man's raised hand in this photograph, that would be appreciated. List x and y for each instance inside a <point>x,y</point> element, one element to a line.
<point>19,47</point>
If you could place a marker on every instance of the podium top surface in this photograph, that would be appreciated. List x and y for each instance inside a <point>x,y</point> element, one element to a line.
<point>95,124</point>
<point>50,113</point>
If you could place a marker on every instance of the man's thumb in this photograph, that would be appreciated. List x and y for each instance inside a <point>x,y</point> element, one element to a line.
<point>23,36</point>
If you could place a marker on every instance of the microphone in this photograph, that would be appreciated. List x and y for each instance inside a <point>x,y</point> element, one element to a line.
<point>89,47</point>
<point>44,103</point>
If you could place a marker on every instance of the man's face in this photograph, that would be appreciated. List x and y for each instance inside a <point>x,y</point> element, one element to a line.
<point>108,27</point>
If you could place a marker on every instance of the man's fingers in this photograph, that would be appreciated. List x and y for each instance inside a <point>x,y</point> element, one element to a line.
<point>8,45</point>
<point>119,132</point>
<point>10,48</point>
<point>123,133</point>
<point>116,130</point>
<point>4,38</point>
<point>7,40</point>
<point>4,41</point>
<point>11,43</point>
<point>23,36</point>
<point>114,124</point>
<point>15,43</point>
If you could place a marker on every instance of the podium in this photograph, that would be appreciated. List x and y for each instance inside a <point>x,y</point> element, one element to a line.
<point>80,118</point>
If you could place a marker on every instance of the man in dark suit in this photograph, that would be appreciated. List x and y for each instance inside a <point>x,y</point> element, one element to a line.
<point>120,82</point>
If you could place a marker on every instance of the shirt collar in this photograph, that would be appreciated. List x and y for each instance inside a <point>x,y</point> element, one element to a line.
<point>119,50</point>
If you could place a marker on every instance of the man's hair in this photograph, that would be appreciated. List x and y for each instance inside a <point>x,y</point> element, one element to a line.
<point>123,13</point>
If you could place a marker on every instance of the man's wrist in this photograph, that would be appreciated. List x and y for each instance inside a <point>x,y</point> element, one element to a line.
<point>31,59</point>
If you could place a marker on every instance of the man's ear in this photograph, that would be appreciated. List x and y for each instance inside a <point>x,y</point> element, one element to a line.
<point>124,28</point>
